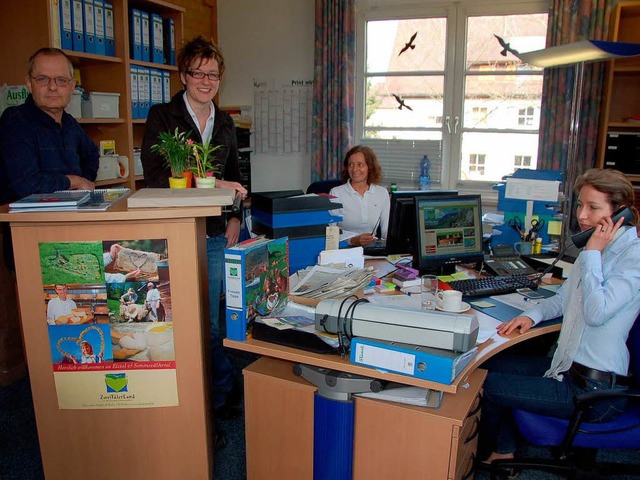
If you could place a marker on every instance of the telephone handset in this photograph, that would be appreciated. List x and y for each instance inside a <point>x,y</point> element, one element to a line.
<point>581,239</point>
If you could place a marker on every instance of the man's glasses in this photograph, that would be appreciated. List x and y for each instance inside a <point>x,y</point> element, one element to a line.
<point>44,81</point>
<point>200,75</point>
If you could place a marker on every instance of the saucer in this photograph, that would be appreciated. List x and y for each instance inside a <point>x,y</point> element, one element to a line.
<point>465,307</point>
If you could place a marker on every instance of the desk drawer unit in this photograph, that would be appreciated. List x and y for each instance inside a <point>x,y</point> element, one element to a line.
<point>402,441</point>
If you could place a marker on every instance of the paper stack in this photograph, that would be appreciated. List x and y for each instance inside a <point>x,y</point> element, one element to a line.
<point>396,392</point>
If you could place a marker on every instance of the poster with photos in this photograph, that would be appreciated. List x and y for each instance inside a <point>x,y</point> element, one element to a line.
<point>107,308</point>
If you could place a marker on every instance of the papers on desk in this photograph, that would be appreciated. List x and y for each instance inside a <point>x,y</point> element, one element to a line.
<point>326,282</point>
<point>516,300</point>
<point>396,392</point>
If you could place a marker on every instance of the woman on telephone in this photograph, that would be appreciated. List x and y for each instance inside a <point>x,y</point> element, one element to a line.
<point>599,302</point>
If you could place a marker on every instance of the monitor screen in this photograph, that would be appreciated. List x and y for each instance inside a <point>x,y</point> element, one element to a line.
<point>449,232</point>
<point>401,237</point>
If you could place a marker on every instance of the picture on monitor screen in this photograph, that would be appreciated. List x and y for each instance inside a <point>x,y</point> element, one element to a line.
<point>401,237</point>
<point>449,231</point>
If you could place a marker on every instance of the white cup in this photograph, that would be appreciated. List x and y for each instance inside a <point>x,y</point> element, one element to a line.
<point>123,166</point>
<point>450,300</point>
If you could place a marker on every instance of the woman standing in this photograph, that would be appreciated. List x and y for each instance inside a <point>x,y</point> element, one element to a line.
<point>365,204</point>
<point>201,65</point>
<point>599,302</point>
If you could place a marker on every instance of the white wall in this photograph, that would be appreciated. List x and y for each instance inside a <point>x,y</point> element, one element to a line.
<point>267,40</point>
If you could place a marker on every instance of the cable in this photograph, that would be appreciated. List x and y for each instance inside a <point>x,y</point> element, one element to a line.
<point>538,280</point>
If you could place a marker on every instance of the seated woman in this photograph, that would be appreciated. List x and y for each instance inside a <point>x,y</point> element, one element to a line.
<point>599,302</point>
<point>365,204</point>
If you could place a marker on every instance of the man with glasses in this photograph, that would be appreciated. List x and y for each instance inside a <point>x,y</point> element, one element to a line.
<point>43,148</point>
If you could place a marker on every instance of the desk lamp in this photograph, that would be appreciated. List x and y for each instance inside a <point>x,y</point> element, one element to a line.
<point>577,53</point>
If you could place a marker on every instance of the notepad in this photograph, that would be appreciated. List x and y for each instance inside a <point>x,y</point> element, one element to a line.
<point>70,198</point>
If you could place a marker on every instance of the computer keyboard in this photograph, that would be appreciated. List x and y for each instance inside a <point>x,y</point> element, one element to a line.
<point>498,285</point>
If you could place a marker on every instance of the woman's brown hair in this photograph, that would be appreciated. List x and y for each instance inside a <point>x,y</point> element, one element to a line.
<point>375,170</point>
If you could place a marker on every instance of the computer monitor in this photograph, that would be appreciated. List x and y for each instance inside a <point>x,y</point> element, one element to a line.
<point>449,231</point>
<point>401,236</point>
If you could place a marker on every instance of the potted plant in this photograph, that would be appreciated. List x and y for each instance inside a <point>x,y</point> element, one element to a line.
<point>205,166</point>
<point>176,148</point>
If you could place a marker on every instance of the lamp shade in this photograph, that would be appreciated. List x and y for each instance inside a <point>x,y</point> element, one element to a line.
<point>583,51</point>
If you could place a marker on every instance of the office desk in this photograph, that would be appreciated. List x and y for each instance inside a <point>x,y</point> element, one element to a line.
<point>161,443</point>
<point>391,440</point>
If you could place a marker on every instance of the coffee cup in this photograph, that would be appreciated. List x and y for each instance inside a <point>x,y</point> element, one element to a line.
<point>450,300</point>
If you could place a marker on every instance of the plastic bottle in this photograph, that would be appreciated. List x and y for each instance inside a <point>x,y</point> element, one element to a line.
<point>425,178</point>
<point>393,187</point>
<point>537,246</point>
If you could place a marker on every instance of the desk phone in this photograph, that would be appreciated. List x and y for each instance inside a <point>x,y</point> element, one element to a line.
<point>506,261</point>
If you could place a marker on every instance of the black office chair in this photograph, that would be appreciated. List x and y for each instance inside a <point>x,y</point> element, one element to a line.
<point>574,442</point>
<point>323,186</point>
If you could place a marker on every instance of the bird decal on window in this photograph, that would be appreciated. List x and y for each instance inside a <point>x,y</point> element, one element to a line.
<point>401,103</point>
<point>409,44</point>
<point>505,47</point>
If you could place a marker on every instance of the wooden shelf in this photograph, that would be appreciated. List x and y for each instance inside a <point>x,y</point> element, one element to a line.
<point>97,121</point>
<point>621,96</point>
<point>30,21</point>
<point>159,66</point>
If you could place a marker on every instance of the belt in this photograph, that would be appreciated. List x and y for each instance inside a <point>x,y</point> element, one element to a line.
<point>580,372</point>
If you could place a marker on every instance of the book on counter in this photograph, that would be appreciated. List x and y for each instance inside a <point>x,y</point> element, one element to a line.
<point>256,282</point>
<point>69,198</point>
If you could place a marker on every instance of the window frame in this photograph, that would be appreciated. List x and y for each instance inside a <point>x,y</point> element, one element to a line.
<point>456,14</point>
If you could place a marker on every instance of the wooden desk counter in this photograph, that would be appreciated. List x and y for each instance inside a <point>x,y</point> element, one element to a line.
<point>163,442</point>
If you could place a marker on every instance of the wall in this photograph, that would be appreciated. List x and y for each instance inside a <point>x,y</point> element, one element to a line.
<point>267,40</point>
<point>199,17</point>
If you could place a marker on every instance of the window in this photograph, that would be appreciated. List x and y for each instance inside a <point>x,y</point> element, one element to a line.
<point>479,115</point>
<point>525,116</point>
<point>522,161</point>
<point>476,164</point>
<point>434,81</point>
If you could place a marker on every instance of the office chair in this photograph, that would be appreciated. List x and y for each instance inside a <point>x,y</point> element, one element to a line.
<point>574,442</point>
<point>323,186</point>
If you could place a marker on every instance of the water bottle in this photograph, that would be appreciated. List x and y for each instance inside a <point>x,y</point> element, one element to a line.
<point>425,178</point>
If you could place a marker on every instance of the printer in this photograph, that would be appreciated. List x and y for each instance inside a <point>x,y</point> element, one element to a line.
<point>359,318</point>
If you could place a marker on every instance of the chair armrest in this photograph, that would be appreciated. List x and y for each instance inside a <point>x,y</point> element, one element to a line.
<point>584,400</point>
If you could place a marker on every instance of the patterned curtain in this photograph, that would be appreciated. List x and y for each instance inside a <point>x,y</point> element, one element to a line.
<point>572,21</point>
<point>333,86</point>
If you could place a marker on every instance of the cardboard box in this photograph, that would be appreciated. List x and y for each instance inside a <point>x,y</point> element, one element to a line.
<point>101,105</point>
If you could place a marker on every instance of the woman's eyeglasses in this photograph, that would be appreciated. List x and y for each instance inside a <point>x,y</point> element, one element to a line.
<point>44,81</point>
<point>200,75</point>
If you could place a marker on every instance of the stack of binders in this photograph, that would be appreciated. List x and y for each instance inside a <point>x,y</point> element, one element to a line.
<point>302,218</point>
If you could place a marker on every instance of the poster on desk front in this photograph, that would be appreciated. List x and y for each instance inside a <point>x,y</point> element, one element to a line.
<point>108,314</point>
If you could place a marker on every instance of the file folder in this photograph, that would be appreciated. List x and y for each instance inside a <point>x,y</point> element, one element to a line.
<point>77,25</point>
<point>136,34</point>
<point>89,27</point>
<point>156,86</point>
<point>166,86</point>
<point>146,37</point>
<point>98,15</point>
<point>109,34</point>
<point>157,49</point>
<point>56,24</point>
<point>433,364</point>
<point>169,34</point>
<point>66,33</point>
<point>135,109</point>
<point>144,91</point>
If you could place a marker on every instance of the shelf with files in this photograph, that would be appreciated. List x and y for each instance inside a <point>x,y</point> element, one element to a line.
<point>619,133</point>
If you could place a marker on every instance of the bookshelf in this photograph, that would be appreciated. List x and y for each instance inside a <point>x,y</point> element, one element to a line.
<point>621,97</point>
<point>27,25</point>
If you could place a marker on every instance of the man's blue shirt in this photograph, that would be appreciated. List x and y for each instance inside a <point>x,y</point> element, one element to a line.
<point>36,152</point>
